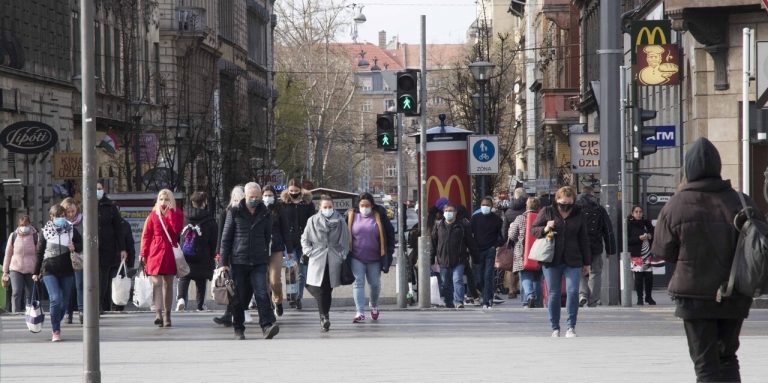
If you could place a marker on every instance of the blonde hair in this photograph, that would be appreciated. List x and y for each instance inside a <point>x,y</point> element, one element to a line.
<point>532,203</point>
<point>69,201</point>
<point>169,194</point>
<point>237,195</point>
<point>565,192</point>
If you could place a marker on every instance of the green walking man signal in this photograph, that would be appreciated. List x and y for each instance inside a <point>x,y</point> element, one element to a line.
<point>385,131</point>
<point>408,92</point>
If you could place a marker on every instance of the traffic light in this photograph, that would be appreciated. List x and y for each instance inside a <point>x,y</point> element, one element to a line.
<point>385,132</point>
<point>641,132</point>
<point>407,92</point>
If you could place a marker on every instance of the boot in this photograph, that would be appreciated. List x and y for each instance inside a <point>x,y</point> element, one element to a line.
<point>159,318</point>
<point>639,298</point>
<point>649,288</point>
<point>167,319</point>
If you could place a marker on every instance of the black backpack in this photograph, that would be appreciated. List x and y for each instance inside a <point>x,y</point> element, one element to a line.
<point>749,270</point>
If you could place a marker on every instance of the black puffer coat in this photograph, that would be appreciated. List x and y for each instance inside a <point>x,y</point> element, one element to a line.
<point>201,265</point>
<point>246,237</point>
<point>278,244</point>
<point>293,218</point>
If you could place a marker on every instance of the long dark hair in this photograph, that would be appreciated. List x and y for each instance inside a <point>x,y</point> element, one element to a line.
<point>273,208</point>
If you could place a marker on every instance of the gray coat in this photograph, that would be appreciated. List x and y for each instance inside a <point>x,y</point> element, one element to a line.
<point>325,240</point>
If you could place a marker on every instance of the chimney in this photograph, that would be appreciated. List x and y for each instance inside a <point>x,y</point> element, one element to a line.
<point>383,39</point>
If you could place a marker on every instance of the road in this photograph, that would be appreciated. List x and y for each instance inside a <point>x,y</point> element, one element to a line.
<point>435,345</point>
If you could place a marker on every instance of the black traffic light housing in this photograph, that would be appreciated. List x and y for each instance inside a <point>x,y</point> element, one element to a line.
<point>385,131</point>
<point>407,92</point>
<point>641,132</point>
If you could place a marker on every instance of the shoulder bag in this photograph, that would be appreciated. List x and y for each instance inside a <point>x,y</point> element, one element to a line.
<point>182,267</point>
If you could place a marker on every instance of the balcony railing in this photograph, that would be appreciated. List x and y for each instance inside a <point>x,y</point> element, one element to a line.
<point>190,20</point>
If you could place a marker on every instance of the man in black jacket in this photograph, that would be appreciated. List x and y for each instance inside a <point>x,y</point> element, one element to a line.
<point>451,240</point>
<point>599,230</point>
<point>245,246</point>
<point>486,229</point>
<point>111,245</point>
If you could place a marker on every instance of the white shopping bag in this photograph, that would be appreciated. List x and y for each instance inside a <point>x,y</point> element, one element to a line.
<point>142,290</point>
<point>121,286</point>
<point>434,292</point>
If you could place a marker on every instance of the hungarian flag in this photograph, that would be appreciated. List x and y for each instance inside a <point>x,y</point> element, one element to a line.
<point>109,142</point>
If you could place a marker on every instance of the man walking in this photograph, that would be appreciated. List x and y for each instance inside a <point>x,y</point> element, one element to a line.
<point>452,240</point>
<point>245,247</point>
<point>486,229</point>
<point>600,231</point>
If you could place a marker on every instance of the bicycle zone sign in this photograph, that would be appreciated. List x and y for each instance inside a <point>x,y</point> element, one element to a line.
<point>483,154</point>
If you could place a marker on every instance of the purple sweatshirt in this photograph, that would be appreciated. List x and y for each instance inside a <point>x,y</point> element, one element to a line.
<point>365,239</point>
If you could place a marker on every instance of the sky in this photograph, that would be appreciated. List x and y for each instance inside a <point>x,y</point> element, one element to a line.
<point>447,20</point>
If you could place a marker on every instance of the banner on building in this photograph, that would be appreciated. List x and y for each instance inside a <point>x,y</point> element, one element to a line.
<point>585,153</point>
<point>67,165</point>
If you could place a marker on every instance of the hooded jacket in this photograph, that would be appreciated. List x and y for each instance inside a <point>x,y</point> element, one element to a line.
<point>21,252</point>
<point>202,264</point>
<point>293,218</point>
<point>695,230</point>
<point>110,241</point>
<point>602,232</point>
<point>246,236</point>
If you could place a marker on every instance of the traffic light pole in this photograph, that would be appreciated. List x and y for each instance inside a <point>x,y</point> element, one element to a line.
<point>424,237</point>
<point>402,285</point>
<point>626,275</point>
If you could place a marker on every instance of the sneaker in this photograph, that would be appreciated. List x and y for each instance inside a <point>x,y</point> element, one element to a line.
<point>531,303</point>
<point>359,317</point>
<point>556,334</point>
<point>487,307</point>
<point>181,304</point>
<point>325,324</point>
<point>497,301</point>
<point>56,336</point>
<point>271,330</point>
<point>239,335</point>
<point>460,306</point>
<point>226,322</point>
<point>571,333</point>
<point>69,318</point>
<point>202,308</point>
<point>248,318</point>
<point>582,301</point>
<point>374,312</point>
<point>279,309</point>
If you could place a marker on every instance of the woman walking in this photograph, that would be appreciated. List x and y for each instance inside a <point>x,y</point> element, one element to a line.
<point>75,219</point>
<point>277,249</point>
<point>20,262</point>
<point>325,244</point>
<point>161,233</point>
<point>529,278</point>
<point>640,237</point>
<point>200,238</point>
<point>54,251</point>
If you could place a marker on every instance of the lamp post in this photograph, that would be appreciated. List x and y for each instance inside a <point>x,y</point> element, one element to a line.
<point>482,72</point>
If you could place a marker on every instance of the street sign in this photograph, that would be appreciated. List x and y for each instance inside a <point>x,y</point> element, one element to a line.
<point>761,71</point>
<point>649,32</point>
<point>585,153</point>
<point>483,154</point>
<point>665,136</point>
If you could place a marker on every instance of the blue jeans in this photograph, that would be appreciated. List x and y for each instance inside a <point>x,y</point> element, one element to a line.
<point>530,281</point>
<point>373,272</point>
<point>484,275</point>
<point>453,284</point>
<point>302,277</point>
<point>553,275</point>
<point>79,289</point>
<point>59,288</point>
<point>250,281</point>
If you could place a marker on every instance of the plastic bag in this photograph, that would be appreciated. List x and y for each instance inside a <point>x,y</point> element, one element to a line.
<point>142,290</point>
<point>434,289</point>
<point>121,286</point>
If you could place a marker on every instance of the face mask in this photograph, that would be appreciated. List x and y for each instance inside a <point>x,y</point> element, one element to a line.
<point>295,195</point>
<point>99,193</point>
<point>449,215</point>
<point>485,209</point>
<point>24,230</point>
<point>565,206</point>
<point>365,211</point>
<point>269,200</point>
<point>60,222</point>
<point>327,213</point>
<point>252,203</point>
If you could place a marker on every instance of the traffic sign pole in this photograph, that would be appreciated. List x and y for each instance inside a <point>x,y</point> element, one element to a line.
<point>402,286</point>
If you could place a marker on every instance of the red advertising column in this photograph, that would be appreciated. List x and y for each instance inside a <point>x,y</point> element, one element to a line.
<point>447,173</point>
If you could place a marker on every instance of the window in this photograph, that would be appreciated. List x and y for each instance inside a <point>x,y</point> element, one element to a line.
<point>365,84</point>
<point>389,104</point>
<point>116,60</point>
<point>366,106</point>
<point>391,171</point>
<point>227,19</point>
<point>108,57</point>
<point>158,94</point>
<point>257,39</point>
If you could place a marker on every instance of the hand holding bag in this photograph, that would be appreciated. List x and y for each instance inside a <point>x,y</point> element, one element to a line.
<point>182,267</point>
<point>33,314</point>
<point>142,290</point>
<point>543,249</point>
<point>505,257</point>
<point>223,287</point>
<point>347,277</point>
<point>121,286</point>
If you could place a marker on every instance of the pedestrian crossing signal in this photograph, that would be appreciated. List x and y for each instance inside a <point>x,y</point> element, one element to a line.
<point>407,92</point>
<point>385,132</point>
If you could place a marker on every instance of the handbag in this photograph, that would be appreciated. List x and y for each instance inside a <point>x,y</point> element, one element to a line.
<point>77,261</point>
<point>543,249</point>
<point>33,314</point>
<point>347,277</point>
<point>142,290</point>
<point>182,267</point>
<point>121,286</point>
<point>505,257</point>
<point>223,287</point>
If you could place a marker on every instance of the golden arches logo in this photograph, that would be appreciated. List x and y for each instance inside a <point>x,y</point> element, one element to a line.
<point>445,190</point>
<point>650,35</point>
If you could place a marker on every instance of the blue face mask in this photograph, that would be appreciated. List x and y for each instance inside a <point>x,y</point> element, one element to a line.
<point>60,222</point>
<point>252,203</point>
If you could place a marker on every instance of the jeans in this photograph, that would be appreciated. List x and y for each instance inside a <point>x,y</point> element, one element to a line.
<point>531,283</point>
<point>373,272</point>
<point>250,281</point>
<point>589,287</point>
<point>183,290</point>
<point>484,275</point>
<point>712,344</point>
<point>21,290</point>
<point>453,284</point>
<point>553,275</point>
<point>59,288</point>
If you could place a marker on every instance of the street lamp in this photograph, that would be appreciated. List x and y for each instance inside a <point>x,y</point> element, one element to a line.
<point>181,132</point>
<point>482,72</point>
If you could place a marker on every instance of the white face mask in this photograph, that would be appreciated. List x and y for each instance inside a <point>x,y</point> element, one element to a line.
<point>449,215</point>
<point>24,230</point>
<point>99,193</point>
<point>485,209</point>
<point>269,200</point>
<point>327,213</point>
<point>365,211</point>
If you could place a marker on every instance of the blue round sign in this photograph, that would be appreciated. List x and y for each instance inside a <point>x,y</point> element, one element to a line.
<point>483,150</point>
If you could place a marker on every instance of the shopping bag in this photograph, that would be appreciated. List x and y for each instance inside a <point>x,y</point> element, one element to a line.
<point>182,267</point>
<point>347,277</point>
<point>529,264</point>
<point>142,290</point>
<point>121,286</point>
<point>434,292</point>
<point>223,287</point>
<point>543,249</point>
<point>33,314</point>
<point>505,257</point>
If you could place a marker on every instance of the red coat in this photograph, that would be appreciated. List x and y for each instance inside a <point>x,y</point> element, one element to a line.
<point>155,246</point>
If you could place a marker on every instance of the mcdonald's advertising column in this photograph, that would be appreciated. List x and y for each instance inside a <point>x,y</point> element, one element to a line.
<point>447,174</point>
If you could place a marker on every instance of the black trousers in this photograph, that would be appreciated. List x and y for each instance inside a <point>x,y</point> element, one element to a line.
<point>712,344</point>
<point>322,294</point>
<point>183,290</point>
<point>105,286</point>
<point>643,282</point>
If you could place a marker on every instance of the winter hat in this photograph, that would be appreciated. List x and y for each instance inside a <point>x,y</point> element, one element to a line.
<point>442,201</point>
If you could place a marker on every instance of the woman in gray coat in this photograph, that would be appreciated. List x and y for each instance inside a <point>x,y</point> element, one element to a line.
<point>325,244</point>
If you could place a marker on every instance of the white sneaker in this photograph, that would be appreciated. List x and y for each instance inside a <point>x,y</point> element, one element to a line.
<point>556,334</point>
<point>248,318</point>
<point>181,304</point>
<point>570,333</point>
<point>487,308</point>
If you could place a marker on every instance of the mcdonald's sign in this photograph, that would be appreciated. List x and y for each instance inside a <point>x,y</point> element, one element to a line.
<point>650,32</point>
<point>444,190</point>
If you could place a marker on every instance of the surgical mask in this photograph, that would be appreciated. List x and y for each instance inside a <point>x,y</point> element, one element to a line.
<point>327,213</point>
<point>60,222</point>
<point>295,195</point>
<point>24,230</point>
<point>449,215</point>
<point>485,209</point>
<point>252,203</point>
<point>99,193</point>
<point>365,211</point>
<point>565,206</point>
<point>269,200</point>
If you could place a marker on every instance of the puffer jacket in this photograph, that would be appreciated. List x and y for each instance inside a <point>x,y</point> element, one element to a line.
<point>246,237</point>
<point>21,252</point>
<point>452,243</point>
<point>53,250</point>
<point>201,265</point>
<point>571,241</point>
<point>293,218</point>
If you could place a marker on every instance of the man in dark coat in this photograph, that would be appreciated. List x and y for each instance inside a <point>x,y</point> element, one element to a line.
<point>600,231</point>
<point>201,226</point>
<point>111,246</point>
<point>452,240</point>
<point>695,229</point>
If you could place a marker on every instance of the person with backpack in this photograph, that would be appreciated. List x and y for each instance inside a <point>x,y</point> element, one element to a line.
<point>20,262</point>
<point>695,230</point>
<point>600,231</point>
<point>198,242</point>
<point>452,241</point>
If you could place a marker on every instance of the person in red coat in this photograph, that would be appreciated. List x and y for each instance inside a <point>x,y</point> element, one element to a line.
<point>161,233</point>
